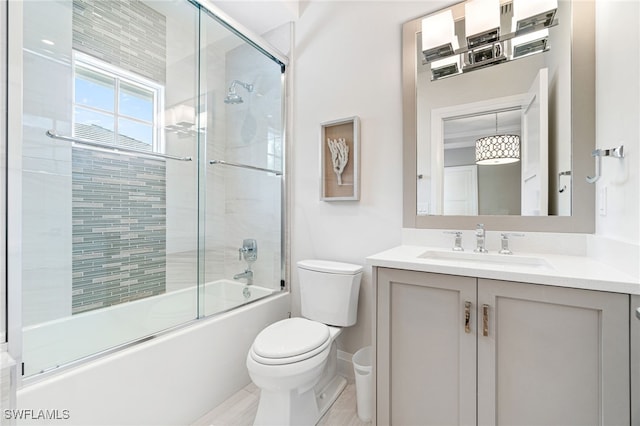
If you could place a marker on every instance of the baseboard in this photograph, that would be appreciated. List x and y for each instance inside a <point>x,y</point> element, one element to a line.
<point>345,366</point>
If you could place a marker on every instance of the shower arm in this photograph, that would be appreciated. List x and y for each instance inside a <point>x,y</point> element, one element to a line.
<point>247,86</point>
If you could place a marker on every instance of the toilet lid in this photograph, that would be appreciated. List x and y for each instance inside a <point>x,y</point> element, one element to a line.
<point>290,337</point>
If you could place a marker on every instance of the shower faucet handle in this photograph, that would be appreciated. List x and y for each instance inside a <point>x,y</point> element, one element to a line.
<point>249,250</point>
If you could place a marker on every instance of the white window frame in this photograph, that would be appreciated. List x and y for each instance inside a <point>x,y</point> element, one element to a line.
<point>121,75</point>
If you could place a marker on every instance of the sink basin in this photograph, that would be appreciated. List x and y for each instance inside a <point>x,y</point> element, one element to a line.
<point>487,259</point>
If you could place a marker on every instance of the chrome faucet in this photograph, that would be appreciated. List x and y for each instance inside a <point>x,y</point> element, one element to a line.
<point>504,242</point>
<point>480,234</point>
<point>457,245</point>
<point>249,251</point>
<point>247,274</point>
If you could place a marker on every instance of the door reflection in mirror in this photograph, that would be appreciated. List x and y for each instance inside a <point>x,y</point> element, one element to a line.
<point>471,189</point>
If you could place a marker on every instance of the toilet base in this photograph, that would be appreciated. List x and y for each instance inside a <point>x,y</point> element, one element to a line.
<point>292,408</point>
<point>329,394</point>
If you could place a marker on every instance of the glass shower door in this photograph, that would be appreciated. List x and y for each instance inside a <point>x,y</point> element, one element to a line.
<point>243,259</point>
<point>151,153</point>
<point>110,147</point>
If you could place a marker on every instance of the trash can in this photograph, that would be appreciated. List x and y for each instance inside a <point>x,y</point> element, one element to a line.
<point>362,365</point>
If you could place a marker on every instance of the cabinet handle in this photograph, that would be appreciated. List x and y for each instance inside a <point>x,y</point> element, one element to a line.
<point>485,320</point>
<point>467,317</point>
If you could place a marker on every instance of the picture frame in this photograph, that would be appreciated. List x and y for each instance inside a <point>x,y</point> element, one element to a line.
<point>340,160</point>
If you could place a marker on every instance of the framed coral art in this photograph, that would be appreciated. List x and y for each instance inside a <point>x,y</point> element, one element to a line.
<point>340,160</point>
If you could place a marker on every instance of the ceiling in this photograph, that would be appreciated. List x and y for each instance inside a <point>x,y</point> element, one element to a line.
<point>463,132</point>
<point>260,16</point>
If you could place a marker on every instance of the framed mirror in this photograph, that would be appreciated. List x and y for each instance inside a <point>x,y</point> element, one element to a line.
<point>454,120</point>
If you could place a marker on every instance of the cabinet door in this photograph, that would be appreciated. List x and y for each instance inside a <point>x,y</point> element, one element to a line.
<point>426,361</point>
<point>635,359</point>
<point>552,356</point>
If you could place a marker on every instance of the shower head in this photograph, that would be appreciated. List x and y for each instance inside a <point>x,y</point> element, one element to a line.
<point>232,96</point>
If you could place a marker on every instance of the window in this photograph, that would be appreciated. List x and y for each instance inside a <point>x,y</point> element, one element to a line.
<point>115,106</point>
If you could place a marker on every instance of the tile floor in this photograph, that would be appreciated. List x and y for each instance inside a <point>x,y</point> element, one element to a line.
<point>240,409</point>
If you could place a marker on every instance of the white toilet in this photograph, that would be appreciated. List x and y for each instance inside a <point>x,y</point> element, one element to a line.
<point>294,361</point>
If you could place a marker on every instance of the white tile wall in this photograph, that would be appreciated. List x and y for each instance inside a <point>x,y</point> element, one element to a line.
<point>253,199</point>
<point>46,177</point>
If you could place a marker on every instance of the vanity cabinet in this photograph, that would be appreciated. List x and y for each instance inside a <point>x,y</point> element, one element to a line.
<point>461,350</point>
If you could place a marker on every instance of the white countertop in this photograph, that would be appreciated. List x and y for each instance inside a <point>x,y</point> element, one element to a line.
<point>562,271</point>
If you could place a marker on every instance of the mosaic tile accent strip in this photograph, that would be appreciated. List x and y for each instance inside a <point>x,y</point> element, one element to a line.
<point>125,33</point>
<point>119,229</point>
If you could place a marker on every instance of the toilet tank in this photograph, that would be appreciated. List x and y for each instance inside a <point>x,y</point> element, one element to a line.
<point>329,291</point>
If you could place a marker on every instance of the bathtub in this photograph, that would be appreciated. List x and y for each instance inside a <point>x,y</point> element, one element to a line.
<point>172,379</point>
<point>54,343</point>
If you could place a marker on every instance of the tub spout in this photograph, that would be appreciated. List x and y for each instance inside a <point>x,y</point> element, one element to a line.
<point>247,274</point>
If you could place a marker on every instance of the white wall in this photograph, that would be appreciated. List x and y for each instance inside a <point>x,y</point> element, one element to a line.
<point>617,112</point>
<point>348,62</point>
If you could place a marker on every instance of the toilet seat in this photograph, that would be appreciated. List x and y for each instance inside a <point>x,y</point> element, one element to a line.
<point>289,341</point>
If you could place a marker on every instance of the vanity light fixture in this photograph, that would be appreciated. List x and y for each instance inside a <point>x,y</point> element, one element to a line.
<point>482,22</point>
<point>498,148</point>
<point>495,31</point>
<point>482,30</point>
<point>438,36</point>
<point>528,15</point>
<point>446,67</point>
<point>530,43</point>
